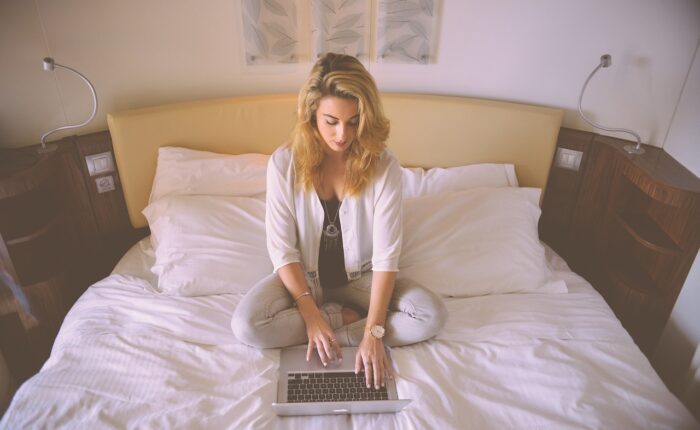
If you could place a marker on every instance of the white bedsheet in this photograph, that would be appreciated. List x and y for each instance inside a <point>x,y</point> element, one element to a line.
<point>127,357</point>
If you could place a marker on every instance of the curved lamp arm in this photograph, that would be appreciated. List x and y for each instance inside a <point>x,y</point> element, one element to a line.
<point>49,65</point>
<point>605,61</point>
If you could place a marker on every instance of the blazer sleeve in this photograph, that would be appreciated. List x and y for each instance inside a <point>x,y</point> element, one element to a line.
<point>280,220</point>
<point>387,230</point>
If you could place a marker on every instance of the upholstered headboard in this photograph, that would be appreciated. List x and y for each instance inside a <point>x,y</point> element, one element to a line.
<point>426,131</point>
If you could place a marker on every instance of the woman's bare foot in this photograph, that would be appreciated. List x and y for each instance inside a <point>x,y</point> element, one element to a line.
<point>349,315</point>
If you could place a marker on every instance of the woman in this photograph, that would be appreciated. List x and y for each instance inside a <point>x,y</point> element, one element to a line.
<point>333,222</point>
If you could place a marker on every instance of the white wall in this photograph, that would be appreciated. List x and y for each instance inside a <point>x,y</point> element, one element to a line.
<point>141,53</point>
<point>683,141</point>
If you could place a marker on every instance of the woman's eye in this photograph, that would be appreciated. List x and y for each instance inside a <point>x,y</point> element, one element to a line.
<point>351,123</point>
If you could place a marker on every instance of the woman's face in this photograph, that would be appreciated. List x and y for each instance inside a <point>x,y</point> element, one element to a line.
<point>337,120</point>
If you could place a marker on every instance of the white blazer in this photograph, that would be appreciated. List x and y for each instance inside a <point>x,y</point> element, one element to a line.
<point>371,222</point>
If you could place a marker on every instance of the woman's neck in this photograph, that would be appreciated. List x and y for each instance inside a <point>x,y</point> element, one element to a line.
<point>334,157</point>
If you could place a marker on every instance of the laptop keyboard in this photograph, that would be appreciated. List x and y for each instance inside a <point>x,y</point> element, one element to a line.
<point>303,387</point>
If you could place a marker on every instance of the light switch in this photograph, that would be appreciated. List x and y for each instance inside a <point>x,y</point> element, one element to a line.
<point>568,159</point>
<point>98,164</point>
<point>101,164</point>
<point>105,184</point>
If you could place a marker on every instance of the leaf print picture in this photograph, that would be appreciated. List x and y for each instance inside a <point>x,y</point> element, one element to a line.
<point>270,31</point>
<point>341,26</point>
<point>405,31</point>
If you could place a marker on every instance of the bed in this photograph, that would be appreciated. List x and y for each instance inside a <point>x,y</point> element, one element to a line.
<point>527,343</point>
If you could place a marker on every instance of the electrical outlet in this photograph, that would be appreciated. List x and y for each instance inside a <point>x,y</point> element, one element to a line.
<point>568,159</point>
<point>105,184</point>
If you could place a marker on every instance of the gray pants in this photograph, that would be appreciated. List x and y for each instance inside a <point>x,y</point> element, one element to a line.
<point>267,318</point>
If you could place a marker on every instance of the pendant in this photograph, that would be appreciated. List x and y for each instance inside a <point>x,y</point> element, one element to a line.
<point>331,232</point>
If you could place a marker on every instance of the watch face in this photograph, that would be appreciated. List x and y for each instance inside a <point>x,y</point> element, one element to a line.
<point>377,331</point>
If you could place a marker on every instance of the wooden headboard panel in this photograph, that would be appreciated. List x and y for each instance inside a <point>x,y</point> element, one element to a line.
<point>426,131</point>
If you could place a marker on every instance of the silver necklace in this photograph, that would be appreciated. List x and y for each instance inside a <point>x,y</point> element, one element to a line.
<point>331,232</point>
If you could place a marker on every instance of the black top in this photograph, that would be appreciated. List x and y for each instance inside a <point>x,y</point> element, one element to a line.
<point>331,258</point>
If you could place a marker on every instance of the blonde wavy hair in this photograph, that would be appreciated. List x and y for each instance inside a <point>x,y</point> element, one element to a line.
<point>345,77</point>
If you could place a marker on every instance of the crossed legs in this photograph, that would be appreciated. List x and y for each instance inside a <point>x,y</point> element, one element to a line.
<point>267,318</point>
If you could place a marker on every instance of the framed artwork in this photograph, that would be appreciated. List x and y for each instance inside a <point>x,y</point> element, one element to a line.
<point>270,31</point>
<point>405,31</point>
<point>341,26</point>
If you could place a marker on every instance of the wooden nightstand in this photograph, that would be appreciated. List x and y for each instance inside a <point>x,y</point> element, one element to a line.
<point>35,246</point>
<point>58,235</point>
<point>630,224</point>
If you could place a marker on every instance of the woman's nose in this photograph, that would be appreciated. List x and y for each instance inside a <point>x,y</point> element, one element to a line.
<point>340,131</point>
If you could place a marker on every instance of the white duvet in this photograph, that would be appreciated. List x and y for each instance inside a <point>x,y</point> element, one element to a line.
<point>128,357</point>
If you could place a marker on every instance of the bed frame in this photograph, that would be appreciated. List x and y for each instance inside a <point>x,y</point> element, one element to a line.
<point>426,131</point>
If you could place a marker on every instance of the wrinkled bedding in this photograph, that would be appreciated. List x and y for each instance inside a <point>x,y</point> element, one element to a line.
<point>129,357</point>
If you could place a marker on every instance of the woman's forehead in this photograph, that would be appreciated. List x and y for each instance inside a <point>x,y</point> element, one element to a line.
<point>337,107</point>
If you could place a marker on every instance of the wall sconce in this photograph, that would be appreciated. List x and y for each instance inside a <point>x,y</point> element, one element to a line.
<point>50,65</point>
<point>605,61</point>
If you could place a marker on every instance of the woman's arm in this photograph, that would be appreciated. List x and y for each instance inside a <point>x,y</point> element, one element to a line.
<point>386,248</point>
<point>280,220</point>
<point>281,232</point>
<point>382,289</point>
<point>318,330</point>
<point>371,354</point>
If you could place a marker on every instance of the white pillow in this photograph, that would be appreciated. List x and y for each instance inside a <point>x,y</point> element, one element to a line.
<point>476,242</point>
<point>420,182</point>
<point>208,244</point>
<point>182,171</point>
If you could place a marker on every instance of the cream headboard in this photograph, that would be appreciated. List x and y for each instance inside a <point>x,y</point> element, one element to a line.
<point>426,131</point>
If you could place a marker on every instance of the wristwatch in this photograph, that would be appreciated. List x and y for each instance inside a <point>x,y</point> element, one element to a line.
<point>377,331</point>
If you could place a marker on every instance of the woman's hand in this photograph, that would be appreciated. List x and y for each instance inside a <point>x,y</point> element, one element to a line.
<point>320,334</point>
<point>321,337</point>
<point>371,356</point>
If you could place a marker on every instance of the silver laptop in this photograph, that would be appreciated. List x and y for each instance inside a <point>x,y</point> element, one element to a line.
<point>309,388</point>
